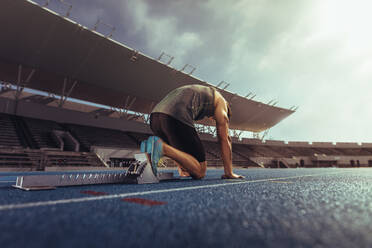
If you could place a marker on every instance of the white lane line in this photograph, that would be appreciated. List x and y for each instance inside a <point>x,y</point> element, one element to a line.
<point>281,182</point>
<point>106,197</point>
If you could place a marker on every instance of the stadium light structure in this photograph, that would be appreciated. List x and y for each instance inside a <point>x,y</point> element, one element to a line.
<point>223,83</point>
<point>62,2</point>
<point>105,24</point>
<point>187,66</point>
<point>272,102</point>
<point>163,54</point>
<point>250,93</point>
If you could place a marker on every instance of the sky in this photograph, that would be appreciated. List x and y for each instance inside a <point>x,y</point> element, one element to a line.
<point>314,54</point>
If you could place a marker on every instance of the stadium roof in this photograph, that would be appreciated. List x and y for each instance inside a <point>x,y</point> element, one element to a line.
<point>60,56</point>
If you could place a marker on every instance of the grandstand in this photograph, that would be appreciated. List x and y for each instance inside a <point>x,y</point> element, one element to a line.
<point>33,143</point>
<point>49,130</point>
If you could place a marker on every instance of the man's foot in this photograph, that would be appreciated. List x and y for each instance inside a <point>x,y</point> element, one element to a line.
<point>182,172</point>
<point>155,148</point>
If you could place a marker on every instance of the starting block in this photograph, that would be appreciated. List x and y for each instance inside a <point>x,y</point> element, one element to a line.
<point>139,172</point>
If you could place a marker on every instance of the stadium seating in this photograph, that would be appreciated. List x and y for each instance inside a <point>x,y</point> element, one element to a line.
<point>304,151</point>
<point>283,151</point>
<point>36,159</point>
<point>212,149</point>
<point>41,132</point>
<point>248,150</point>
<point>35,144</point>
<point>94,136</point>
<point>73,159</point>
<point>327,151</point>
<point>18,158</point>
<point>212,153</point>
<point>353,151</point>
<point>8,134</point>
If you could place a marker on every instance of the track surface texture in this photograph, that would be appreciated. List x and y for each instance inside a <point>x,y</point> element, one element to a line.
<point>269,208</point>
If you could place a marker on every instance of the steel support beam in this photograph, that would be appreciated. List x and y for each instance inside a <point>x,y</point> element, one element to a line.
<point>20,85</point>
<point>63,95</point>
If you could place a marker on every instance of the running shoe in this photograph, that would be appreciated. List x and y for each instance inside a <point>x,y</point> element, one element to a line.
<point>155,146</point>
<point>143,146</point>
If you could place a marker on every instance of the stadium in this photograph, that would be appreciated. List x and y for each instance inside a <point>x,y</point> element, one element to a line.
<point>76,103</point>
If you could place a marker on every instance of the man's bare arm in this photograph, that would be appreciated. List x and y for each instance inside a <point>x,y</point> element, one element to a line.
<point>222,126</point>
<point>225,145</point>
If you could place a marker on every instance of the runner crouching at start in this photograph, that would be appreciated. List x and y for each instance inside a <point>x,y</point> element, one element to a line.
<point>172,121</point>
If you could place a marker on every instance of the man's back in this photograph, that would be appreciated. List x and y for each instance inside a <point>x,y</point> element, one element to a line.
<point>188,103</point>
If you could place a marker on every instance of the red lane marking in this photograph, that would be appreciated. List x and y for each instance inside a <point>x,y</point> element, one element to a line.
<point>91,192</point>
<point>144,201</point>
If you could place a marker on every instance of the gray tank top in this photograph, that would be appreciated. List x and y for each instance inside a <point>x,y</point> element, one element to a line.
<point>188,103</point>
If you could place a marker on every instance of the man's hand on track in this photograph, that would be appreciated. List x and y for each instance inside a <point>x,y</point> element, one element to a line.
<point>232,176</point>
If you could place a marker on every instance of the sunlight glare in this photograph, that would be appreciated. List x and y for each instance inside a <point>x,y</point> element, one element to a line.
<point>348,22</point>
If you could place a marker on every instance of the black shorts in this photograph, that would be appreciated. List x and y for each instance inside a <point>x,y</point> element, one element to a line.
<point>177,134</point>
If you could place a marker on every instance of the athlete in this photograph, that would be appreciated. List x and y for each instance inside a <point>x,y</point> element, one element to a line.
<point>172,121</point>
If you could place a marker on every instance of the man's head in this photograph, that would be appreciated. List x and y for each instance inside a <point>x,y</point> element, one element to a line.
<point>221,102</point>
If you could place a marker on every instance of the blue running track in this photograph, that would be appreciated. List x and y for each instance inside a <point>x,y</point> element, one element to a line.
<point>269,208</point>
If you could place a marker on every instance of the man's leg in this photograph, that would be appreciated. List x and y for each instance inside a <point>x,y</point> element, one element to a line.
<point>186,161</point>
<point>180,143</point>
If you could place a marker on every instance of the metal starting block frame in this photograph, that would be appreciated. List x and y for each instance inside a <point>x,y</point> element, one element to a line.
<point>139,172</point>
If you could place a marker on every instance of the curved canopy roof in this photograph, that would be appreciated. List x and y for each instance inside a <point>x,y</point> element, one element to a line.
<point>56,52</point>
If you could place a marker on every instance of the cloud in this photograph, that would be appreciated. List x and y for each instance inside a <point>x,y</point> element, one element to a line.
<point>326,76</point>
<point>163,32</point>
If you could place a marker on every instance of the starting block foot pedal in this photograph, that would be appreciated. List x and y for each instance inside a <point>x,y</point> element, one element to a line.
<point>140,171</point>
